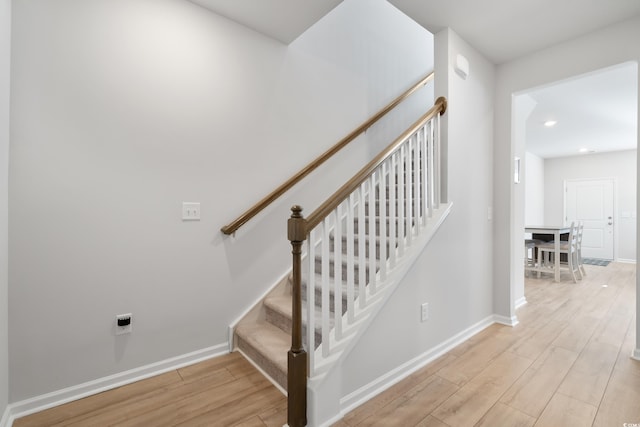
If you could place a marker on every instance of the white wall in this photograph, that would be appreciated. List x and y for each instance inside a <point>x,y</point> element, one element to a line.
<point>5,59</point>
<point>603,48</point>
<point>522,107</point>
<point>534,189</point>
<point>620,165</point>
<point>123,109</point>
<point>454,274</point>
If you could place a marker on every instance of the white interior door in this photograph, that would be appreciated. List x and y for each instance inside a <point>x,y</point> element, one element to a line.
<point>592,201</point>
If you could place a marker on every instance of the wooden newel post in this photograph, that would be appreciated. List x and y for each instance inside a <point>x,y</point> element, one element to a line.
<point>297,360</point>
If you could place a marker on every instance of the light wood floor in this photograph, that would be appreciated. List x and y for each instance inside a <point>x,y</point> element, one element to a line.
<point>566,364</point>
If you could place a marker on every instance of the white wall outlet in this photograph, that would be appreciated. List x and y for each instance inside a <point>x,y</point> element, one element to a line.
<point>123,323</point>
<point>191,211</point>
<point>424,312</point>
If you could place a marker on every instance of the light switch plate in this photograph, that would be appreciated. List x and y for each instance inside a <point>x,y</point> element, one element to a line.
<point>191,211</point>
<point>424,312</point>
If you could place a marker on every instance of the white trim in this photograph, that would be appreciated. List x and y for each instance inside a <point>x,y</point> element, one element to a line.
<point>330,422</point>
<point>625,261</point>
<point>7,419</point>
<point>377,386</point>
<point>59,397</point>
<point>250,307</point>
<point>520,302</point>
<point>636,354</point>
<point>507,321</point>
<point>263,372</point>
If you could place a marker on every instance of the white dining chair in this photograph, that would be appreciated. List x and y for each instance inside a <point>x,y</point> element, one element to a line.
<point>579,249</point>
<point>530,253</point>
<point>570,248</point>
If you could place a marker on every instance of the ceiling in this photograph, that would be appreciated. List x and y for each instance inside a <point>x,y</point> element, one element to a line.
<point>507,29</point>
<point>283,20</point>
<point>501,29</point>
<point>597,112</point>
<point>592,111</point>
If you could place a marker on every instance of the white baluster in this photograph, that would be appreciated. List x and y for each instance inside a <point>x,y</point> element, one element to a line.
<point>371,236</point>
<point>417,178</point>
<point>311,300</point>
<point>437,170</point>
<point>383,201</point>
<point>432,187</point>
<point>337,273</point>
<point>326,289</point>
<point>350,258</point>
<point>401,192</point>
<point>425,172</point>
<point>361,247</point>
<point>409,190</point>
<point>393,178</point>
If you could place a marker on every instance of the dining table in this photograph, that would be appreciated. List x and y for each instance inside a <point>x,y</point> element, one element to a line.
<point>549,232</point>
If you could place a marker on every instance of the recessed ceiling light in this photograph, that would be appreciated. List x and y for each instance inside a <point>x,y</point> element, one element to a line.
<point>586,150</point>
<point>550,123</point>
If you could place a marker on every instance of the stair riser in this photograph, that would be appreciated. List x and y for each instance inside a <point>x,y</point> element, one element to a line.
<point>387,204</point>
<point>356,270</point>
<point>356,247</point>
<point>332,299</point>
<point>356,228</point>
<point>263,361</point>
<point>283,322</point>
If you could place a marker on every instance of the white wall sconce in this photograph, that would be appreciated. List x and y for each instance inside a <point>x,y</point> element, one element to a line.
<point>462,66</point>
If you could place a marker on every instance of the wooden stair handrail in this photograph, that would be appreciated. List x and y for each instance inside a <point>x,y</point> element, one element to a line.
<point>317,216</point>
<point>258,207</point>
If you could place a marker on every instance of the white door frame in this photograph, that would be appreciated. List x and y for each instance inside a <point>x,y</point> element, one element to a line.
<point>614,180</point>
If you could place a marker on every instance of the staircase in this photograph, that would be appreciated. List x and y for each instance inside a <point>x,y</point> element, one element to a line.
<point>264,336</point>
<point>349,255</point>
<point>358,248</point>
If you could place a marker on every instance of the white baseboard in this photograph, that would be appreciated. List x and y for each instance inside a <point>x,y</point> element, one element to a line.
<point>636,354</point>
<point>626,261</point>
<point>6,420</point>
<point>59,397</point>
<point>375,387</point>
<point>520,302</point>
<point>507,321</point>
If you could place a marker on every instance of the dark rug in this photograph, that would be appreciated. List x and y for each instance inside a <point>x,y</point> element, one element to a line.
<point>596,261</point>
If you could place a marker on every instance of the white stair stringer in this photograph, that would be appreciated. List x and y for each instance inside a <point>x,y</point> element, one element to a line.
<point>323,399</point>
<point>363,316</point>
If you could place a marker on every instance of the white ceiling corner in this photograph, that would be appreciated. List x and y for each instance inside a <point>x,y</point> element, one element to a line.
<point>283,20</point>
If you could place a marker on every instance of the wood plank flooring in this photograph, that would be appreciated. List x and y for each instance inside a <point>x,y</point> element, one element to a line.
<point>566,364</point>
<point>225,391</point>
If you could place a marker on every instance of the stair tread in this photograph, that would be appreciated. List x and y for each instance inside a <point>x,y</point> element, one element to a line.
<point>282,305</point>
<point>267,339</point>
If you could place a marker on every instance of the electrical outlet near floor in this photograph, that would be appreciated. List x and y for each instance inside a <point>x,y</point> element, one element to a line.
<point>424,312</point>
<point>123,323</point>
